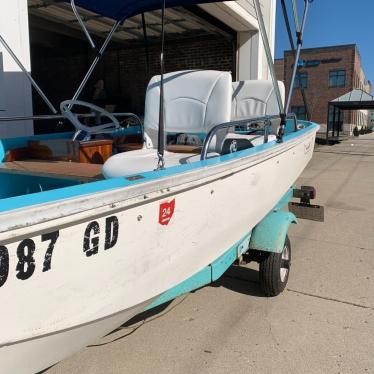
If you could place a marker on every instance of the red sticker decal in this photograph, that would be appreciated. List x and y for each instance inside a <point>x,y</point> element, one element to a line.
<point>166,212</point>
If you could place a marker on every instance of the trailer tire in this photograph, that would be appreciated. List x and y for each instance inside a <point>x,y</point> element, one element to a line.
<point>275,269</point>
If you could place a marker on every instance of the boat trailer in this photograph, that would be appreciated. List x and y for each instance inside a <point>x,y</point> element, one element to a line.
<point>267,244</point>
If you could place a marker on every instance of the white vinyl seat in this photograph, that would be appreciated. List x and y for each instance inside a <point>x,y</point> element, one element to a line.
<point>194,102</point>
<point>255,98</point>
<point>145,159</point>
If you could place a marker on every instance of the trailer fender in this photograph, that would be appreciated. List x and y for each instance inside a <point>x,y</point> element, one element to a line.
<point>269,235</point>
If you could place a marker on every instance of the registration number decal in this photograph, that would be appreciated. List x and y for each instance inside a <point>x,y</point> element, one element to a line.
<point>25,253</point>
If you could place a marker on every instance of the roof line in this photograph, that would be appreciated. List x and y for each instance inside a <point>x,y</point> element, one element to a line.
<point>339,46</point>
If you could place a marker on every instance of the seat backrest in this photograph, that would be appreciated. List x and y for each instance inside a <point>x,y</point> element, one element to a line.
<point>255,98</point>
<point>194,102</point>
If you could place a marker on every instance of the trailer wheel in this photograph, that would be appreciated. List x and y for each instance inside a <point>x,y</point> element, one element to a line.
<point>274,270</point>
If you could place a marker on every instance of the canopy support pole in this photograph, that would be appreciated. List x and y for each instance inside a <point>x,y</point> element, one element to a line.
<point>338,124</point>
<point>296,15</point>
<point>82,25</point>
<point>161,119</point>
<point>270,62</point>
<point>328,121</point>
<point>289,32</point>
<point>96,61</point>
<point>145,35</point>
<point>28,75</point>
<point>299,35</point>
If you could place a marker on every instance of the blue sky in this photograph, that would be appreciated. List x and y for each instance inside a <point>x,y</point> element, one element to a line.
<point>334,22</point>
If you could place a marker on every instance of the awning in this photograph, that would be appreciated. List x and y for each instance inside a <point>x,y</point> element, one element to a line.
<point>355,100</point>
<point>59,18</point>
<point>123,9</point>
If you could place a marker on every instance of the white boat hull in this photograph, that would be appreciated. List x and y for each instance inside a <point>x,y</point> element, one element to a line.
<point>31,356</point>
<point>99,275</point>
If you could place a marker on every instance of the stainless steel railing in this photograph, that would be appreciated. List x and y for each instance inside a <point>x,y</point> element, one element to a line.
<point>244,123</point>
<point>60,117</point>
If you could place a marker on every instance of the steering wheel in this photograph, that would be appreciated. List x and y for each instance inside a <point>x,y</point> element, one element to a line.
<point>106,128</point>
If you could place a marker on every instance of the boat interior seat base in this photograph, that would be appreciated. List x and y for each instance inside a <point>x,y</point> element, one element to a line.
<point>144,160</point>
<point>253,139</point>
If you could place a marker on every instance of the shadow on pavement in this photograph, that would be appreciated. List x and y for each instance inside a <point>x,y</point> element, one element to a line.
<point>242,280</point>
<point>238,279</point>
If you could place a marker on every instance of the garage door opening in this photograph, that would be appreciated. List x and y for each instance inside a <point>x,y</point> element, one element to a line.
<point>61,55</point>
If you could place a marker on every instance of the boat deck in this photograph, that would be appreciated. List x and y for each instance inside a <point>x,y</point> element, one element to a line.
<point>54,169</point>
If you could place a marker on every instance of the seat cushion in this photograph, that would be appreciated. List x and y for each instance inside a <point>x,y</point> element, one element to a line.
<point>254,98</point>
<point>194,102</point>
<point>143,160</point>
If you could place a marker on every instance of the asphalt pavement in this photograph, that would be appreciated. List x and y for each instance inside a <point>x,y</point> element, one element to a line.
<point>322,323</point>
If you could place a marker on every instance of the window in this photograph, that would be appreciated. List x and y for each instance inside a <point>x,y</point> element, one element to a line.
<point>301,80</point>
<point>299,111</point>
<point>337,78</point>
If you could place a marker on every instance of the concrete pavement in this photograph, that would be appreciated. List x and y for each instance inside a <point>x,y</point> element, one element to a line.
<point>323,322</point>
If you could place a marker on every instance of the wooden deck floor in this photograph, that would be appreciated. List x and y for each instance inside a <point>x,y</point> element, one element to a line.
<point>55,169</point>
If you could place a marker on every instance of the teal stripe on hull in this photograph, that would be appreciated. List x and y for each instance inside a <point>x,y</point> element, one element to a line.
<point>207,275</point>
<point>202,278</point>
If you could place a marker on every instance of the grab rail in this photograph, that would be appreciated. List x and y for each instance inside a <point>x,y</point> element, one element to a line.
<point>226,125</point>
<point>59,116</point>
<point>243,122</point>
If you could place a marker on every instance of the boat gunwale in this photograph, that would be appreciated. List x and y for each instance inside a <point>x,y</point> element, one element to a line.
<point>137,192</point>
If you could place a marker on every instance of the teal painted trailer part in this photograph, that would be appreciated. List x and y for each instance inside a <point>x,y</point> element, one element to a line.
<point>269,235</point>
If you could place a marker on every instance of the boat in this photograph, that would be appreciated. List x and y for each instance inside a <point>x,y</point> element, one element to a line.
<point>84,247</point>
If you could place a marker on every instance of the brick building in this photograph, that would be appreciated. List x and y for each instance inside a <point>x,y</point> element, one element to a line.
<point>327,73</point>
<point>125,70</point>
<point>279,68</point>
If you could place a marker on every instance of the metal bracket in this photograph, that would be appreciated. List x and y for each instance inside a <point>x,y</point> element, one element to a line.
<point>303,209</point>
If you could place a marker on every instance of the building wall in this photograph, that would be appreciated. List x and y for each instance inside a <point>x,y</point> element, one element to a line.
<point>318,92</point>
<point>15,99</point>
<point>241,17</point>
<point>248,6</point>
<point>360,117</point>
<point>279,69</point>
<point>371,119</point>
